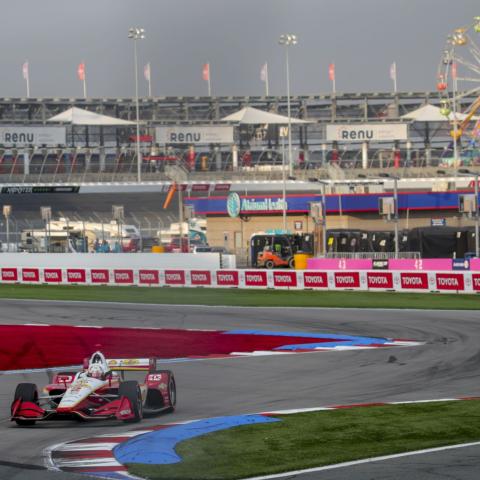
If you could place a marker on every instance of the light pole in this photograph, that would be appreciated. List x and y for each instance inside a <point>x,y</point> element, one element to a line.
<point>287,40</point>
<point>137,34</point>
<point>395,206</point>
<point>7,210</point>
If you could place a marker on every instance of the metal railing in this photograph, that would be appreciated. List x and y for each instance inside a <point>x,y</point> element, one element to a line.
<point>372,255</point>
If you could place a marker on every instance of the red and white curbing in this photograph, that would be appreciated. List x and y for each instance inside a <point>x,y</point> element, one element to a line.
<point>95,456</point>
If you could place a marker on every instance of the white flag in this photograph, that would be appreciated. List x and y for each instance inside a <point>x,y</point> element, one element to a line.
<point>263,73</point>
<point>393,71</point>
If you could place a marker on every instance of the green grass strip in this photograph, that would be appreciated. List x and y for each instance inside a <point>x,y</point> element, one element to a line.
<point>310,440</point>
<point>236,297</point>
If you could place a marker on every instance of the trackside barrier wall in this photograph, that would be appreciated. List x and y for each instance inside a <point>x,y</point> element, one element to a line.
<point>372,280</point>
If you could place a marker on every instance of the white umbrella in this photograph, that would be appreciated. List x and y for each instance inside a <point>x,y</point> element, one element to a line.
<point>254,116</point>
<point>79,116</point>
<point>431,113</point>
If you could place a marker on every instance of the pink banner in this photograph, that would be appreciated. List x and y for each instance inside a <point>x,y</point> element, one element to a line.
<point>338,264</point>
<point>475,264</point>
<point>429,264</point>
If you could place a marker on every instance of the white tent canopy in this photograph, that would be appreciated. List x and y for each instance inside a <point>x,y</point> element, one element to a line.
<point>431,113</point>
<point>250,115</point>
<point>79,116</point>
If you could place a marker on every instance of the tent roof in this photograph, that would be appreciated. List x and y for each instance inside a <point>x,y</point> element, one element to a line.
<point>430,113</point>
<point>79,116</point>
<point>255,116</point>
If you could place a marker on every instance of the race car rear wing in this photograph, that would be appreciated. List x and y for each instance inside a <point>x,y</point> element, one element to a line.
<point>128,364</point>
<point>132,364</point>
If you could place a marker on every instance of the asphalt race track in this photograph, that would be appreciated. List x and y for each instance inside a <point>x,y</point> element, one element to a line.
<point>446,366</point>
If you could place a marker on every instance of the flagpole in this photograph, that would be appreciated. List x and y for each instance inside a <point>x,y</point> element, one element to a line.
<point>84,80</point>
<point>149,80</point>
<point>209,82</point>
<point>266,79</point>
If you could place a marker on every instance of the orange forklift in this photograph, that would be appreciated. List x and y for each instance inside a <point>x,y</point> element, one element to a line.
<point>277,249</point>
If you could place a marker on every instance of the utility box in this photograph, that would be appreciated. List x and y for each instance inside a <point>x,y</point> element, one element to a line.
<point>386,206</point>
<point>467,203</point>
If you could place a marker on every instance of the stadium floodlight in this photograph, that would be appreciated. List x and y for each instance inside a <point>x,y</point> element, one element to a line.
<point>135,34</point>
<point>287,40</point>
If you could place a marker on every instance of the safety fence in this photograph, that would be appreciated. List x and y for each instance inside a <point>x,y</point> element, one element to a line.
<point>404,281</point>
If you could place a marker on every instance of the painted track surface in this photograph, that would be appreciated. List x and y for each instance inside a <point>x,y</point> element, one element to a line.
<point>446,366</point>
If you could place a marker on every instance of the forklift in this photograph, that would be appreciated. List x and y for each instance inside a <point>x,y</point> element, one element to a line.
<point>276,250</point>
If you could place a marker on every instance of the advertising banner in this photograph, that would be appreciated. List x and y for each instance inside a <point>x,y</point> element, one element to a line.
<point>315,280</point>
<point>52,275</point>
<point>450,281</point>
<point>200,277</point>
<point>123,276</point>
<point>365,132</point>
<point>23,136</point>
<point>413,280</point>
<point>285,279</point>
<point>149,277</point>
<point>347,280</point>
<point>227,278</point>
<point>30,275</point>
<point>476,282</point>
<point>380,280</point>
<point>99,275</point>
<point>9,275</point>
<point>255,279</point>
<point>194,135</point>
<point>76,275</point>
<point>174,277</point>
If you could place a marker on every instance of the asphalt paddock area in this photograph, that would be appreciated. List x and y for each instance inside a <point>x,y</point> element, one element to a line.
<point>446,366</point>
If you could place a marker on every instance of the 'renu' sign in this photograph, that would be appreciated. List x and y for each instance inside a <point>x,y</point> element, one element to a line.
<point>24,136</point>
<point>366,132</point>
<point>192,134</point>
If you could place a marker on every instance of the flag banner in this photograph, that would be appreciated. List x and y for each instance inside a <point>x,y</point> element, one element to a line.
<point>146,72</point>
<point>263,73</point>
<point>25,70</point>
<point>454,70</point>
<point>81,71</point>
<point>331,72</point>
<point>393,71</point>
<point>206,72</point>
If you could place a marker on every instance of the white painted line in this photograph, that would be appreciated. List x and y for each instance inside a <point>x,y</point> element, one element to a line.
<point>365,460</point>
<point>73,447</point>
<point>239,307</point>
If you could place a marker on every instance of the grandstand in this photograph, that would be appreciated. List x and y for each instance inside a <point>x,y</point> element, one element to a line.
<point>107,154</point>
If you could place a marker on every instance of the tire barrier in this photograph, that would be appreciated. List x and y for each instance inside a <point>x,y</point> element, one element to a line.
<point>373,280</point>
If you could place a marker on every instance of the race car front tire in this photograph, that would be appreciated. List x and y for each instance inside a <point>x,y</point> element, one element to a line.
<point>131,390</point>
<point>28,392</point>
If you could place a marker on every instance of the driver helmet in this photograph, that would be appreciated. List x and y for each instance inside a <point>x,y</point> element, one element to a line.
<point>95,371</point>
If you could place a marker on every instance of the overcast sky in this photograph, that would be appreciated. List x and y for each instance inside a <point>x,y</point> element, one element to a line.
<point>362,37</point>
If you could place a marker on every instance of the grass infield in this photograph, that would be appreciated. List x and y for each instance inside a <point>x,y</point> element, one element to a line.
<point>310,440</point>
<point>236,297</point>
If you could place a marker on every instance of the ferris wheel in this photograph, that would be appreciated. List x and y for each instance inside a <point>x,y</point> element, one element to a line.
<point>458,83</point>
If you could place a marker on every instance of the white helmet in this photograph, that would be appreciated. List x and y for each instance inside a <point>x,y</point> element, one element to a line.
<point>95,371</point>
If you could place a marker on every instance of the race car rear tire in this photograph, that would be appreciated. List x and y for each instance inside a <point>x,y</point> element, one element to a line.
<point>269,264</point>
<point>131,390</point>
<point>172,392</point>
<point>28,392</point>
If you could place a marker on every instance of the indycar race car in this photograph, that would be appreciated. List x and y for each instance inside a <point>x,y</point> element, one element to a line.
<point>98,392</point>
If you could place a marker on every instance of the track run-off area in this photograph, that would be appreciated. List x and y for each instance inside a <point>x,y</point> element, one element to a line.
<point>444,364</point>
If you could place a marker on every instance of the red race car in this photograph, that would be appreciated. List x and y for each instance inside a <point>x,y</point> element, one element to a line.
<point>98,392</point>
